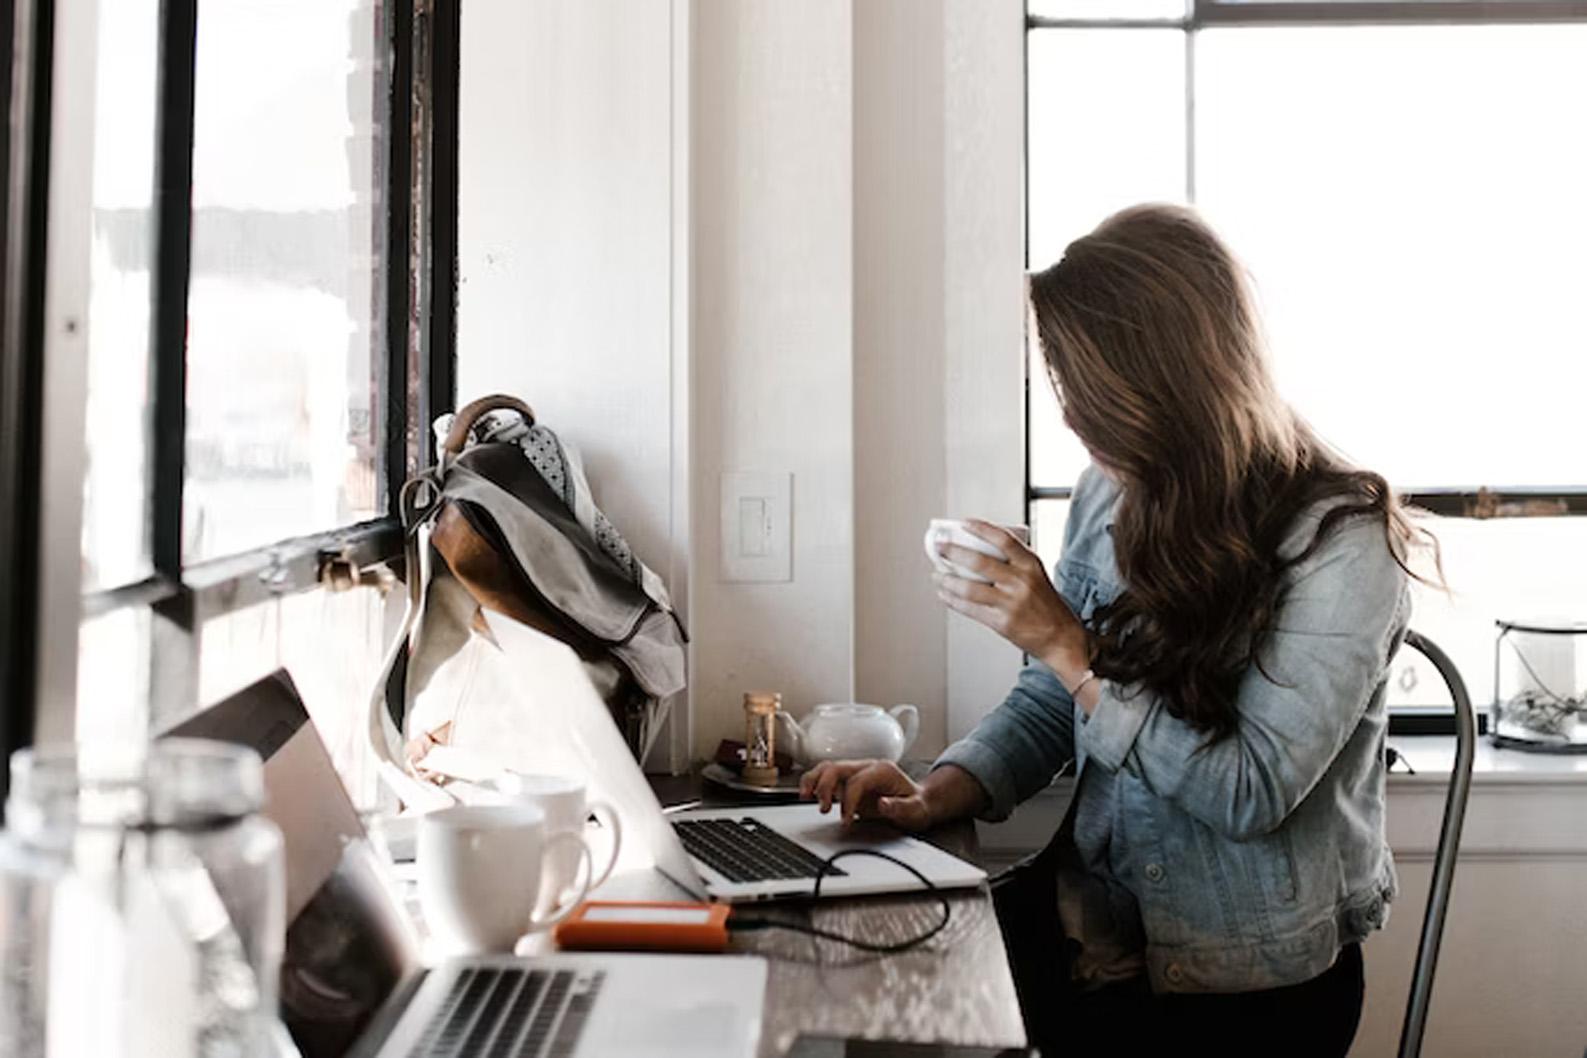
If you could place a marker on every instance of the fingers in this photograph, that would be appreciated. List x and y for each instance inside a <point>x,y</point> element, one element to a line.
<point>864,786</point>
<point>993,569</point>
<point>969,590</point>
<point>827,779</point>
<point>993,617</point>
<point>1013,547</point>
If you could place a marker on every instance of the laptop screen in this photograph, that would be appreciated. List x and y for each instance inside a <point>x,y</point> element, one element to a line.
<point>348,943</point>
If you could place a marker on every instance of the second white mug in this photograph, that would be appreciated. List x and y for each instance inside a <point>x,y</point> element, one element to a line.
<point>482,872</point>
<point>567,810</point>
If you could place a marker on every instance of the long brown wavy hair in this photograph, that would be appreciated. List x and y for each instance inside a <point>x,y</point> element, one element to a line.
<point>1151,340</point>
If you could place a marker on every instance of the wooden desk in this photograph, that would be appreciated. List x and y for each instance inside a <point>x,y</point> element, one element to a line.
<point>957,988</point>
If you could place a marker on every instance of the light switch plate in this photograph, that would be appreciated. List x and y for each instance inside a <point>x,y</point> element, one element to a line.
<point>757,527</point>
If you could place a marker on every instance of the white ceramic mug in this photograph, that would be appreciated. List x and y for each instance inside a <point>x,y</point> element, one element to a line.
<point>567,811</point>
<point>954,531</point>
<point>482,870</point>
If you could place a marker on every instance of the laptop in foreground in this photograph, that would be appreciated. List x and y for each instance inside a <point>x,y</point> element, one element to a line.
<point>353,985</point>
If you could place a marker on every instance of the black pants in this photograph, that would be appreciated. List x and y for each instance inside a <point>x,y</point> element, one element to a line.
<point>1314,1019</point>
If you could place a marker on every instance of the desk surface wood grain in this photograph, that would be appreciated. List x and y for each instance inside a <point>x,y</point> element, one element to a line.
<point>956,988</point>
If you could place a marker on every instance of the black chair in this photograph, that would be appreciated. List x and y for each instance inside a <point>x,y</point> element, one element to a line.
<point>1415,1026</point>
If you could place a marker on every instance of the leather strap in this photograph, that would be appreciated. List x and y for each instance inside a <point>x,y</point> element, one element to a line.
<point>470,413</point>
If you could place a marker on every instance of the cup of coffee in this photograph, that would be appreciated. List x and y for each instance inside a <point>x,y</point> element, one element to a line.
<point>482,870</point>
<point>954,531</point>
<point>567,810</point>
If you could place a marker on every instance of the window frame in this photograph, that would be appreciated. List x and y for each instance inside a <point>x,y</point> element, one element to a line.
<point>422,40</point>
<point>26,34</point>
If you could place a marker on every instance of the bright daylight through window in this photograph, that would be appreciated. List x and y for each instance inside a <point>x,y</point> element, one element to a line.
<point>285,337</point>
<point>1408,201</point>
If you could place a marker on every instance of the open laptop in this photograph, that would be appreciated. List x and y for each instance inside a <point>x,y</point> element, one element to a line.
<point>352,984</point>
<point>731,854</point>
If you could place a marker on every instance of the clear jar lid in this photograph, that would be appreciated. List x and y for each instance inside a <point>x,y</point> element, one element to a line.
<point>177,783</point>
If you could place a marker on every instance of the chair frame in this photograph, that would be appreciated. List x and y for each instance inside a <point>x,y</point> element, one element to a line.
<point>1415,1026</point>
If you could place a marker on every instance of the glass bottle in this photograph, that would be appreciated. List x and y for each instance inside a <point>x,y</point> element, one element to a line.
<point>142,904</point>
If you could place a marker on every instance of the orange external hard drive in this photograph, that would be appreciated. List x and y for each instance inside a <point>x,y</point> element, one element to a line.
<point>602,925</point>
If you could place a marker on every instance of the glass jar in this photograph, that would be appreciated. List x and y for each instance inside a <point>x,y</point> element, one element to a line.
<point>1540,686</point>
<point>142,900</point>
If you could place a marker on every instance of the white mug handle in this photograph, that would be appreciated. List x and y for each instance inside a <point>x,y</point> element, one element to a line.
<point>607,816</point>
<point>557,914</point>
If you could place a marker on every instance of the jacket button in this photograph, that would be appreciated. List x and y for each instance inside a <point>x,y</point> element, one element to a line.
<point>1174,973</point>
<point>1154,872</point>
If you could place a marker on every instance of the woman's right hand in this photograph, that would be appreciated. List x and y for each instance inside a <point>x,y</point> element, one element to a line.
<point>868,789</point>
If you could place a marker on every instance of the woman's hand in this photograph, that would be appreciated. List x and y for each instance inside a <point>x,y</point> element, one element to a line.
<point>868,789</point>
<point>879,789</point>
<point>1020,604</point>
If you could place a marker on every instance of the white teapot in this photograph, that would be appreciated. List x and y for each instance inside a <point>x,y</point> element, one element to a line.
<point>849,731</point>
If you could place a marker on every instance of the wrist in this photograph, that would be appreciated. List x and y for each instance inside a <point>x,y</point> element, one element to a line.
<point>950,793</point>
<point>1069,659</point>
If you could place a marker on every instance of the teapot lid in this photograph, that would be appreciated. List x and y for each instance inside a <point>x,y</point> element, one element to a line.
<point>846,709</point>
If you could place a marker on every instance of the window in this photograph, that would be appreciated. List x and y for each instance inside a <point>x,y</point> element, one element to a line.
<point>270,293</point>
<point>1402,181</point>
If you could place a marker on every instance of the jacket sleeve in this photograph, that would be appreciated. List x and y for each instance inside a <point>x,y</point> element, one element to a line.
<point>1018,748</point>
<point>1336,630</point>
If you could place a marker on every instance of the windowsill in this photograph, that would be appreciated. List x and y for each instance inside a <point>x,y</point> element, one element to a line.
<point>1433,757</point>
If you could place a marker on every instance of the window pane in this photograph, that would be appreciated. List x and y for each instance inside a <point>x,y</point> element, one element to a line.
<point>1056,455</point>
<point>332,643</point>
<point>1107,9</point>
<point>113,654</point>
<point>1107,130</point>
<point>116,475</point>
<point>1417,233</point>
<point>285,305</point>
<point>1047,520</point>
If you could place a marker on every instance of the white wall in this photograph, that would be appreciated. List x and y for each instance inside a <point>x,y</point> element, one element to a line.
<point>567,200</point>
<point>856,200</point>
<point>772,275</point>
<point>768,235</point>
<point>565,237</point>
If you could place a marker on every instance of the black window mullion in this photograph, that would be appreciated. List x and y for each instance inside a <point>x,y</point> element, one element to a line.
<point>28,36</point>
<point>439,262</point>
<point>173,219</point>
<point>399,246</point>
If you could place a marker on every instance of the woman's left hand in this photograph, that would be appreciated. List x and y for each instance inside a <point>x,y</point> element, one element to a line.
<point>1020,604</point>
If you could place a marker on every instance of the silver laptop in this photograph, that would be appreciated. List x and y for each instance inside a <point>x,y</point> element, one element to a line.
<point>351,981</point>
<point>732,854</point>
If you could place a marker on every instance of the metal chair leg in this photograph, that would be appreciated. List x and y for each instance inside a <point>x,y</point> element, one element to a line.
<point>1415,1026</point>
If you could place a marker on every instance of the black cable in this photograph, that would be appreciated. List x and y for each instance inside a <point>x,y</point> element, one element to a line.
<point>746,924</point>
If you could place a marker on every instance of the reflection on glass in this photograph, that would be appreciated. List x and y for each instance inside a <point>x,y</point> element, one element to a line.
<point>116,437</point>
<point>1418,234</point>
<point>285,301</point>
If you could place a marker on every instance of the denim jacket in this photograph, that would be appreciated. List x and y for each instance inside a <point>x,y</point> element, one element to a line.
<point>1255,858</point>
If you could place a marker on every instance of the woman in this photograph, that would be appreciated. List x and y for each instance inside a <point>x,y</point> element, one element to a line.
<point>1212,660</point>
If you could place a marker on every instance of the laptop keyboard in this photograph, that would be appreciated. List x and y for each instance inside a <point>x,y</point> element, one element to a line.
<point>511,1012</point>
<point>743,850</point>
